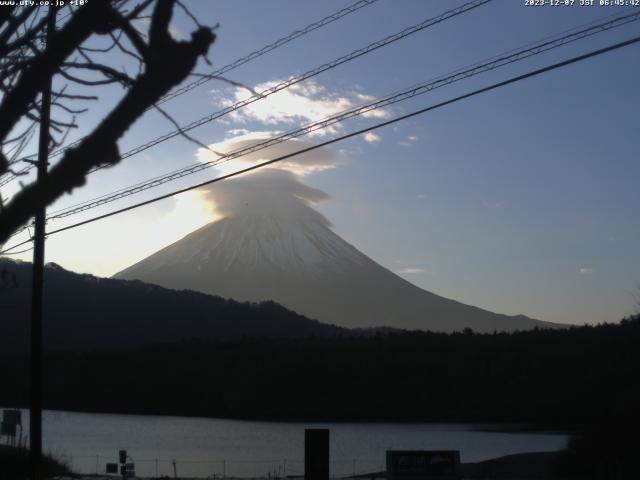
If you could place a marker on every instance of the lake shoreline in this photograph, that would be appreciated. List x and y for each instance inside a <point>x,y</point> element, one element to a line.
<point>203,446</point>
<point>478,426</point>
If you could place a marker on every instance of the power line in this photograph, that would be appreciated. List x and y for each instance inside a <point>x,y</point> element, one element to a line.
<point>292,81</point>
<point>548,43</point>
<point>465,72</point>
<point>420,89</point>
<point>312,73</point>
<point>494,86</point>
<point>268,48</point>
<point>6,252</point>
<point>227,68</point>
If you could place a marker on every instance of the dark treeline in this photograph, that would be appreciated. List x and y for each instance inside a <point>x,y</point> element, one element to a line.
<point>572,376</point>
<point>84,312</point>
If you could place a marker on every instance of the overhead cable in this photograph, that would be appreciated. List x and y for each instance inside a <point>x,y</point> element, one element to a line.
<point>494,86</point>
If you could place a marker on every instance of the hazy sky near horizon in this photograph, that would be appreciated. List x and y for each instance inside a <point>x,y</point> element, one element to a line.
<point>523,200</point>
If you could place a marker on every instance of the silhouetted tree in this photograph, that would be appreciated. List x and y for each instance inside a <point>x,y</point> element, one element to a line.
<point>73,60</point>
<point>7,279</point>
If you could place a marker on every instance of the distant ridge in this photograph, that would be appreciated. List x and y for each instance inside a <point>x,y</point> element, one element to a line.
<point>84,312</point>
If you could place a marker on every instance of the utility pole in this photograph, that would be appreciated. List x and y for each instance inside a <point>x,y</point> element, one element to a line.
<point>36,355</point>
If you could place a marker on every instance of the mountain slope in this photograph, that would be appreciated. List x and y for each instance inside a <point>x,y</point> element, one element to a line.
<point>295,259</point>
<point>83,312</point>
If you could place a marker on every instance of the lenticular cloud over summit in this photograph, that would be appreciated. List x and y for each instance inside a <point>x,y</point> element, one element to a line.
<point>302,165</point>
<point>271,244</point>
<point>272,192</point>
<point>276,190</point>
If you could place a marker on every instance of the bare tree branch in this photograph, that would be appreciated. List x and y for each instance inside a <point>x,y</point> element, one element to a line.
<point>108,72</point>
<point>99,148</point>
<point>183,133</point>
<point>89,19</point>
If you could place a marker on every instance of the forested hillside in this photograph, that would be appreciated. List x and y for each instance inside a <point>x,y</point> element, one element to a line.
<point>558,376</point>
<point>83,312</point>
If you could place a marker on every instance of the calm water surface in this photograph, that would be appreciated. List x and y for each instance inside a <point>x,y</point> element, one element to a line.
<point>203,447</point>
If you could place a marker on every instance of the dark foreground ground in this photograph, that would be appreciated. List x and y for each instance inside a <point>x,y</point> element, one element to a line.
<point>525,466</point>
<point>14,464</point>
<point>530,466</point>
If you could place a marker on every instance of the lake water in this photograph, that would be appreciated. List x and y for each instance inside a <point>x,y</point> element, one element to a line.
<point>203,447</point>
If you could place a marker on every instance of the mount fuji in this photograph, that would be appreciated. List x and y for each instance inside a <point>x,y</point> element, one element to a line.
<point>272,245</point>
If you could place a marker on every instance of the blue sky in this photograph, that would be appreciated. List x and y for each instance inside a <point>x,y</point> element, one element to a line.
<point>522,200</point>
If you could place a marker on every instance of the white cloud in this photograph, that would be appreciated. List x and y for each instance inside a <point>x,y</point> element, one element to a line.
<point>350,152</point>
<point>265,192</point>
<point>238,131</point>
<point>303,102</point>
<point>488,204</point>
<point>371,137</point>
<point>422,196</point>
<point>276,188</point>
<point>301,165</point>
<point>411,270</point>
<point>586,270</point>
<point>410,140</point>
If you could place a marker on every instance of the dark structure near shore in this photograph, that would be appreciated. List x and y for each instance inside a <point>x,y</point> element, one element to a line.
<point>316,454</point>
